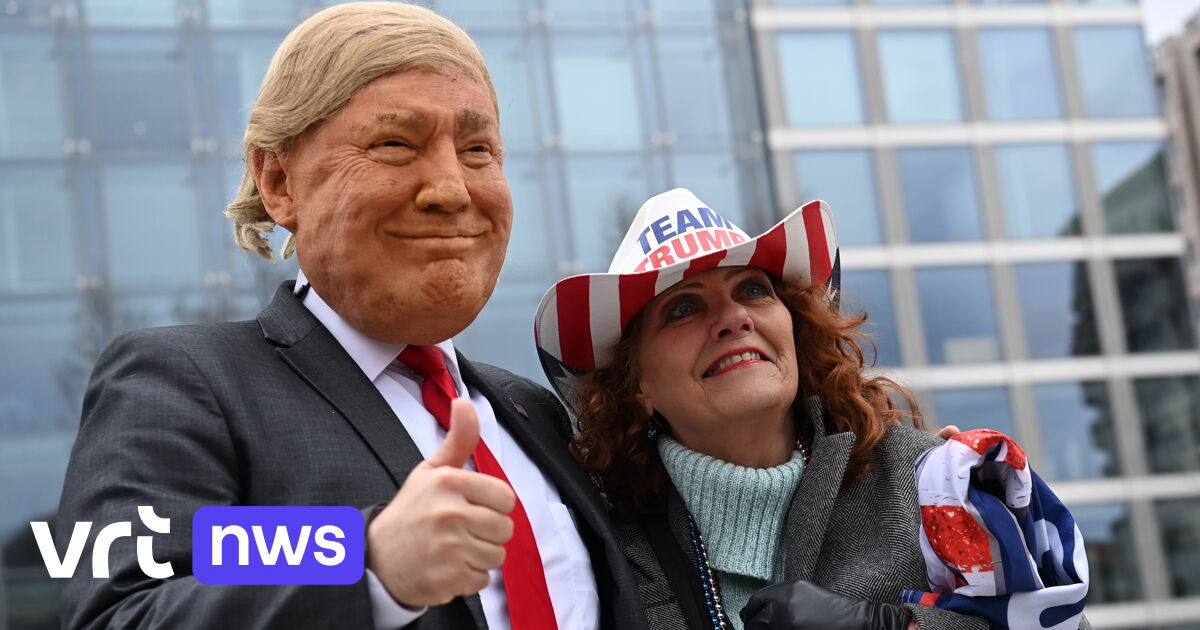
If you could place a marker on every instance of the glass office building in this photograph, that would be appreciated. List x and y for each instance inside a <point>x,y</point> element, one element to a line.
<point>999,174</point>
<point>996,170</point>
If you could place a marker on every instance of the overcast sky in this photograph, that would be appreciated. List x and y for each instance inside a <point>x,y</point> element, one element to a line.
<point>1166,17</point>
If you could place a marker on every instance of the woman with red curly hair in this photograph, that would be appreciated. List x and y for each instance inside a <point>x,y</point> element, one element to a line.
<point>722,406</point>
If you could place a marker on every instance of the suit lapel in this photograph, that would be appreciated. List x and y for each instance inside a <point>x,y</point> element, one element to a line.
<point>312,351</point>
<point>808,514</point>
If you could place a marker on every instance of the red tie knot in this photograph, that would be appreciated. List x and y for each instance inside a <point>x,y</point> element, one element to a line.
<point>424,360</point>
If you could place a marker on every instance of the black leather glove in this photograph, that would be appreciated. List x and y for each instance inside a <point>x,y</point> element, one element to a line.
<point>805,606</point>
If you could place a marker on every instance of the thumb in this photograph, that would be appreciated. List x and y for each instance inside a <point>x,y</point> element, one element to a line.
<point>460,439</point>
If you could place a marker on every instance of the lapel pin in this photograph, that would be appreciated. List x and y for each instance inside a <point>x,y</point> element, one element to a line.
<point>520,409</point>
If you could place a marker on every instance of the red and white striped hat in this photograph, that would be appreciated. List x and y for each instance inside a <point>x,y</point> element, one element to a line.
<point>673,236</point>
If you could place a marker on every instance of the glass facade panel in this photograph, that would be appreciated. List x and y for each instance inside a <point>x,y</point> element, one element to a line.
<point>596,93</point>
<point>713,177</point>
<point>604,193</point>
<point>684,12</point>
<point>958,315</point>
<point>260,13</point>
<point>870,292</point>
<point>154,13</point>
<point>530,251</point>
<point>1170,409</point>
<point>844,178</point>
<point>975,408</point>
<point>240,61</point>
<point>471,14</point>
<point>904,2</point>
<point>1113,567</point>
<point>826,93</point>
<point>46,363</point>
<point>941,201</point>
<point>812,3</point>
<point>1057,309</point>
<point>588,14</point>
<point>1132,180</point>
<point>1077,424</point>
<point>150,66</point>
<point>1154,305</point>
<point>152,225</point>
<point>920,76</point>
<point>693,90</point>
<point>37,228</point>
<point>1037,187</point>
<point>31,106</point>
<point>1019,76</point>
<point>1179,520</point>
<point>1114,71</point>
<point>509,66</point>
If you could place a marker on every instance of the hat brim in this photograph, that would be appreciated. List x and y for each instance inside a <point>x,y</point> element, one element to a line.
<point>581,318</point>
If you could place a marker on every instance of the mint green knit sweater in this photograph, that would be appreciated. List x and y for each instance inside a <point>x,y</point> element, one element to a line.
<point>739,512</point>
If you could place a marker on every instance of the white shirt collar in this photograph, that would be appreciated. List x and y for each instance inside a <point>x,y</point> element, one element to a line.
<point>371,355</point>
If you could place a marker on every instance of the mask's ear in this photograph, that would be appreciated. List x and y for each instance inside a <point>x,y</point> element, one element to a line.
<point>271,178</point>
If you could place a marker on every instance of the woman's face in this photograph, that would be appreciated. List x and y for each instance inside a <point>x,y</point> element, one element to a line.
<point>717,350</point>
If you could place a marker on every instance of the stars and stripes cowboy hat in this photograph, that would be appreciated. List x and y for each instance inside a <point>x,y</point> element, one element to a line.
<point>673,236</point>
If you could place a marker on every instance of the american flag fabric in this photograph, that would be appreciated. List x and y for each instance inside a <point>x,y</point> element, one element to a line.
<point>997,542</point>
<point>673,236</point>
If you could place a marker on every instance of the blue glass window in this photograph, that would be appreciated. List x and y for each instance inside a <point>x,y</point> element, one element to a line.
<point>1132,180</point>
<point>920,76</point>
<point>1056,309</point>
<point>824,93</point>
<point>604,194</point>
<point>471,14</point>
<point>588,14</point>
<point>958,314</point>
<point>1114,71</point>
<point>1170,409</point>
<point>975,408</point>
<point>1154,305</point>
<point>1179,525</point>
<point>149,65</point>
<point>693,90</point>
<point>45,366</point>
<point>684,12</point>
<point>904,2</point>
<point>31,118</point>
<point>713,177</point>
<point>256,13</point>
<point>37,228</point>
<point>941,202</point>
<point>152,225</point>
<point>870,292</point>
<point>813,3</point>
<point>1019,76</point>
<point>596,93</point>
<point>1077,425</point>
<point>530,251</point>
<point>131,12</point>
<point>1112,559</point>
<point>240,61</point>
<point>1038,190</point>
<point>508,65</point>
<point>846,180</point>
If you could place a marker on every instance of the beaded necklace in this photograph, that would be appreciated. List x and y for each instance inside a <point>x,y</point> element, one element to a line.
<point>708,579</point>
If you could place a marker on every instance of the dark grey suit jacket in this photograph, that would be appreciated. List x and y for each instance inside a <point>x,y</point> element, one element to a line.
<point>273,412</point>
<point>860,540</point>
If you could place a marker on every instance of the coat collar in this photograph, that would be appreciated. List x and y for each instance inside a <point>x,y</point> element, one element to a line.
<point>808,515</point>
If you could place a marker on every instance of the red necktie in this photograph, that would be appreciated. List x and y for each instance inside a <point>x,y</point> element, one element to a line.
<point>529,605</point>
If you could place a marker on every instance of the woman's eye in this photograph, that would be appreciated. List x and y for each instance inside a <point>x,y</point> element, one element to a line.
<point>392,143</point>
<point>681,310</point>
<point>757,290</point>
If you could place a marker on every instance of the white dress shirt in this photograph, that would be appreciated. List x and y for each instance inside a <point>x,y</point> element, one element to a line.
<point>565,559</point>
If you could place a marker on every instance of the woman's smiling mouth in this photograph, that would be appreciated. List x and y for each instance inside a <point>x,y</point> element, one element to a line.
<point>734,360</point>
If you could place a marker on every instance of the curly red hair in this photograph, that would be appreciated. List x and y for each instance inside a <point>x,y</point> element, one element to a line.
<point>612,442</point>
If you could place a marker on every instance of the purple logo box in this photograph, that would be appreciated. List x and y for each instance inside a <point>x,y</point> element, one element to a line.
<point>277,545</point>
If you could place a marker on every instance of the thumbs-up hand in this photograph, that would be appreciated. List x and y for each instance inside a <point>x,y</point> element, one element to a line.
<point>446,527</point>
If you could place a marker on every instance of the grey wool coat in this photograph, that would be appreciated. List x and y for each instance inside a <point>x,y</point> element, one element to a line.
<point>860,540</point>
